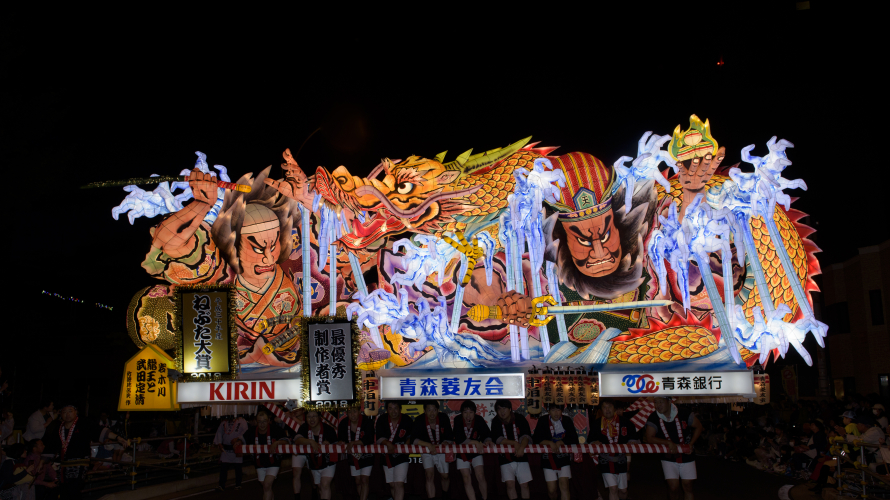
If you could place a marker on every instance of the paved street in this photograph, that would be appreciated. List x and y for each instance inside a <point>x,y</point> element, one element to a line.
<point>718,479</point>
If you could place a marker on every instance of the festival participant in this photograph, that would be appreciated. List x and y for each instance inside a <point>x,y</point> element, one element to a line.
<point>436,427</point>
<point>230,434</point>
<point>322,465</point>
<point>356,430</point>
<point>392,429</point>
<point>297,462</point>
<point>509,429</point>
<point>612,429</point>
<point>45,475</point>
<point>73,439</point>
<point>39,421</point>
<point>267,464</point>
<point>471,429</point>
<point>670,426</point>
<point>881,419</point>
<point>556,430</point>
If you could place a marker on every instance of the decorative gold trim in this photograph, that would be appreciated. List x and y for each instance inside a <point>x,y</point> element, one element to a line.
<point>306,376</point>
<point>234,362</point>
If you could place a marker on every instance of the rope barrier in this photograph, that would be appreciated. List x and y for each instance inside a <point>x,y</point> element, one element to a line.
<point>457,448</point>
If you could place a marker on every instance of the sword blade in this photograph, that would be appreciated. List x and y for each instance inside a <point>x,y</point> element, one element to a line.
<point>606,307</point>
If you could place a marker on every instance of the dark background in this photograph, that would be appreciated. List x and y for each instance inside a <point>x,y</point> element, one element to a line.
<point>106,95</point>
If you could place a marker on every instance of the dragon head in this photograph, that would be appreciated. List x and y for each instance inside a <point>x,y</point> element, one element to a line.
<point>418,194</point>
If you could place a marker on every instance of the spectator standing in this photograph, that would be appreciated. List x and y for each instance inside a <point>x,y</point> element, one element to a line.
<point>39,421</point>
<point>230,434</point>
<point>356,430</point>
<point>880,416</point>
<point>7,422</point>
<point>471,429</point>
<point>323,465</point>
<point>431,430</point>
<point>392,429</point>
<point>297,462</point>
<point>556,430</point>
<point>267,464</point>
<point>671,426</point>
<point>510,429</point>
<point>612,429</point>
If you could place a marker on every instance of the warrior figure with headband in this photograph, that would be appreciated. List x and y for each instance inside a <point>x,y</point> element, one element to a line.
<point>471,429</point>
<point>671,426</point>
<point>431,430</point>
<point>356,430</point>
<point>394,428</point>
<point>613,429</point>
<point>267,464</point>
<point>556,430</point>
<point>323,465</point>
<point>510,429</point>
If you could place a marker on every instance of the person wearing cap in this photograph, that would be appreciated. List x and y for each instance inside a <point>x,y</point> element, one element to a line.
<point>391,429</point>
<point>267,464</point>
<point>471,429</point>
<point>72,439</point>
<point>868,433</point>
<point>431,430</point>
<point>356,430</point>
<point>510,429</point>
<point>880,418</point>
<point>849,427</point>
<point>672,426</point>
<point>612,429</point>
<point>556,430</point>
<point>323,465</point>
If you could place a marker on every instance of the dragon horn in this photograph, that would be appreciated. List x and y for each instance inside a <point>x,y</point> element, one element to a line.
<point>441,156</point>
<point>476,162</point>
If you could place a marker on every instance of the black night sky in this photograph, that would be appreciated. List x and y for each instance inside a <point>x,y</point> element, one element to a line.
<point>90,99</point>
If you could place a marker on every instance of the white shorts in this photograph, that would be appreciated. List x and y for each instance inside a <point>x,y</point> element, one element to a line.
<point>553,475</point>
<point>261,473</point>
<point>619,480</point>
<point>475,462</point>
<point>673,470</point>
<point>297,461</point>
<point>326,472</point>
<point>516,471</point>
<point>396,474</point>
<point>364,471</point>
<point>438,461</point>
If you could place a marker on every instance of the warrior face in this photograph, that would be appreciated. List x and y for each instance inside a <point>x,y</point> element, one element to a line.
<point>258,248</point>
<point>594,244</point>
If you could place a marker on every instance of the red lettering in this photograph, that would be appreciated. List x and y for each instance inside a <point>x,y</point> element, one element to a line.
<point>241,390</point>
<point>269,394</point>
<point>214,393</point>
<point>253,390</point>
<point>228,391</point>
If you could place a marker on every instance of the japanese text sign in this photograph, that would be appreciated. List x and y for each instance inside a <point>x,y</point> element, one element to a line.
<point>329,370</point>
<point>456,386</point>
<point>146,384</point>
<point>206,349</point>
<point>761,389</point>
<point>676,383</point>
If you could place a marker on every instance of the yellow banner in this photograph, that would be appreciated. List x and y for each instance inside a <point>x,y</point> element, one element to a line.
<point>146,385</point>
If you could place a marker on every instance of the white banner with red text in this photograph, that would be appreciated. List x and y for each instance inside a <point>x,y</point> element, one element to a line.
<point>258,391</point>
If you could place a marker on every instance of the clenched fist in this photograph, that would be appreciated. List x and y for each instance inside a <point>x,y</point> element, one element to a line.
<point>516,309</point>
<point>203,186</point>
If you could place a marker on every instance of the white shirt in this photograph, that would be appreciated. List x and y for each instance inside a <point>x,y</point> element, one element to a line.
<point>36,427</point>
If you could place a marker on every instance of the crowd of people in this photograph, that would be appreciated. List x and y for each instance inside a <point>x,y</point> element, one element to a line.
<point>795,438</point>
<point>668,425</point>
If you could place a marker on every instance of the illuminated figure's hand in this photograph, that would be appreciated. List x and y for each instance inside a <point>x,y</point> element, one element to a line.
<point>699,171</point>
<point>295,184</point>
<point>472,250</point>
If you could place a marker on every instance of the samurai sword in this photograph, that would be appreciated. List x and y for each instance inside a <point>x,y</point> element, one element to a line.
<point>166,178</point>
<point>540,308</point>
